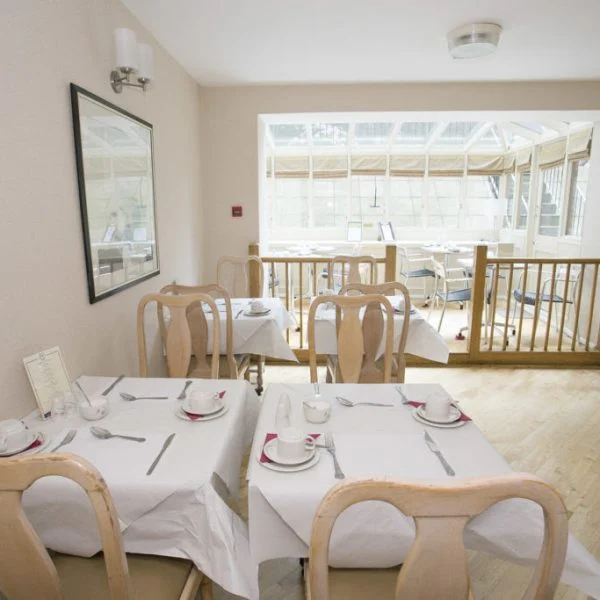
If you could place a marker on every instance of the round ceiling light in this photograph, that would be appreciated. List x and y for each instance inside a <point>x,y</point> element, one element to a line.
<point>474,41</point>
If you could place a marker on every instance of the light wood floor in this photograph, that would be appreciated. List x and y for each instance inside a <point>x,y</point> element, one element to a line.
<point>546,422</point>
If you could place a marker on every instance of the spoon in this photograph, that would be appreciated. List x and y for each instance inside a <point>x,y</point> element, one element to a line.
<point>105,434</point>
<point>346,402</point>
<point>131,397</point>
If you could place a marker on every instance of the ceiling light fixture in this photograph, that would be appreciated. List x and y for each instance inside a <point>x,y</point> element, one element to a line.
<point>474,40</point>
<point>132,58</point>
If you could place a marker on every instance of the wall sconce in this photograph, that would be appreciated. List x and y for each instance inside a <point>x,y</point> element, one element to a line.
<point>132,59</point>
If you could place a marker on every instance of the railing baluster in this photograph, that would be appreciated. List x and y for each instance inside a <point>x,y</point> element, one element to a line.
<point>493,298</point>
<point>581,279</point>
<point>300,288</point>
<point>592,304</point>
<point>550,306</point>
<point>273,279</point>
<point>522,311</point>
<point>536,309</point>
<point>507,308</point>
<point>564,306</point>
<point>314,279</point>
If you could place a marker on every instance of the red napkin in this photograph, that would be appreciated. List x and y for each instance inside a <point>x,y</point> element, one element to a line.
<point>194,416</point>
<point>271,436</point>
<point>462,417</point>
<point>35,444</point>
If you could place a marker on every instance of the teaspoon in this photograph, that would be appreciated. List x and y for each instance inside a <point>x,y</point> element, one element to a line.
<point>105,434</point>
<point>131,397</point>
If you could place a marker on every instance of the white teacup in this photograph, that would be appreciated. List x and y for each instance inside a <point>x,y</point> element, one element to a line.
<point>199,402</point>
<point>316,411</point>
<point>292,443</point>
<point>13,434</point>
<point>95,409</point>
<point>257,306</point>
<point>437,407</point>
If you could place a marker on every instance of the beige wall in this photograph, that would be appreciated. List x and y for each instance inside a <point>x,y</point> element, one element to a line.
<point>230,143</point>
<point>44,302</point>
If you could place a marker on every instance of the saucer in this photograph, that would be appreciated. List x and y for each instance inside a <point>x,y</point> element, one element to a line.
<point>452,425</point>
<point>25,450</point>
<point>257,313</point>
<point>206,413</point>
<point>453,415</point>
<point>271,452</point>
<point>289,469</point>
<point>31,437</point>
<point>180,413</point>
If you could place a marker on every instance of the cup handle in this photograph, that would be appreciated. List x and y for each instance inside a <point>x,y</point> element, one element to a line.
<point>310,443</point>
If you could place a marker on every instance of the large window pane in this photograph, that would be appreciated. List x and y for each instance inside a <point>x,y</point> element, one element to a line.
<point>481,203</point>
<point>523,201</point>
<point>443,205</point>
<point>510,200</point>
<point>552,201</point>
<point>290,203</point>
<point>404,206</point>
<point>577,196</point>
<point>330,202</point>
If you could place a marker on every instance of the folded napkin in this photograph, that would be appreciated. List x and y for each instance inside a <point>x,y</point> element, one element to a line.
<point>463,416</point>
<point>195,416</point>
<point>271,436</point>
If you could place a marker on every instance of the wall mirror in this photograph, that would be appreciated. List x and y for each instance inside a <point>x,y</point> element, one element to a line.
<point>116,190</point>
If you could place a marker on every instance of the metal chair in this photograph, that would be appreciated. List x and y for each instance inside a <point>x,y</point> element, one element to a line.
<point>415,265</point>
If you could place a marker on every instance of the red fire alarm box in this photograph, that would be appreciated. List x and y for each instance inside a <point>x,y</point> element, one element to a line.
<point>236,211</point>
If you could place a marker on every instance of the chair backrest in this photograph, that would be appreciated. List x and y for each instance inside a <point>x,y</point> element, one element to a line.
<point>197,321</point>
<point>235,274</point>
<point>349,268</point>
<point>177,334</point>
<point>436,565</point>
<point>26,569</point>
<point>388,289</point>
<point>357,344</point>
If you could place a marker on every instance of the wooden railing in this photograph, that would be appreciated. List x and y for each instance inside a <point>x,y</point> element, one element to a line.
<point>534,311</point>
<point>295,279</point>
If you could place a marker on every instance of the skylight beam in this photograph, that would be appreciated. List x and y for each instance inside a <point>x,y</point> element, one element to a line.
<point>435,134</point>
<point>477,135</point>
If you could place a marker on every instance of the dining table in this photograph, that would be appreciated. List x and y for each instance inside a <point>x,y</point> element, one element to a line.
<point>181,507</point>
<point>423,340</point>
<point>389,442</point>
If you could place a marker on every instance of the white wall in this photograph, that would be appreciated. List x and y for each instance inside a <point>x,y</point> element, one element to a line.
<point>45,45</point>
<point>230,124</point>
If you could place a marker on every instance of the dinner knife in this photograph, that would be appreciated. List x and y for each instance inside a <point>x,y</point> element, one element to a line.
<point>162,451</point>
<point>434,448</point>
<point>112,385</point>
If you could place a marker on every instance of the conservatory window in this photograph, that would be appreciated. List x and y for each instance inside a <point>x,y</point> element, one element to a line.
<point>577,196</point>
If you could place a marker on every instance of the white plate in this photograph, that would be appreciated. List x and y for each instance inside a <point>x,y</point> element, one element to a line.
<point>45,439</point>
<point>416,416</point>
<point>260,313</point>
<point>270,450</point>
<point>454,415</point>
<point>179,412</point>
<point>220,405</point>
<point>293,469</point>
<point>30,439</point>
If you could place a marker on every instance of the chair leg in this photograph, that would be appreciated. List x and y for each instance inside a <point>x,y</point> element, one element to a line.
<point>442,315</point>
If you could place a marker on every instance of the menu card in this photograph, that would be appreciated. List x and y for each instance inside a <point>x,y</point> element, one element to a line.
<point>48,376</point>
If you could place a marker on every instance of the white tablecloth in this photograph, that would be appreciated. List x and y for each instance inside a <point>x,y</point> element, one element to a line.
<point>423,340</point>
<point>387,442</point>
<point>179,510</point>
<point>261,335</point>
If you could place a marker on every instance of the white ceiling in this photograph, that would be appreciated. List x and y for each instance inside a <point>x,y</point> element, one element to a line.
<point>243,42</point>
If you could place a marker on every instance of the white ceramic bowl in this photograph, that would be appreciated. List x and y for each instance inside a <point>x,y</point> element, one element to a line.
<point>257,306</point>
<point>13,434</point>
<point>96,409</point>
<point>316,411</point>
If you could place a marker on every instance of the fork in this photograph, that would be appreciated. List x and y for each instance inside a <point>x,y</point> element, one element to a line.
<point>330,447</point>
<point>405,400</point>
<point>66,440</point>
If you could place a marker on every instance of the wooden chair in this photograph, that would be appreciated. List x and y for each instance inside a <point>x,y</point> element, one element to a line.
<point>389,289</point>
<point>436,565</point>
<point>232,366</point>
<point>177,336</point>
<point>350,270</point>
<point>358,338</point>
<point>235,275</point>
<point>28,570</point>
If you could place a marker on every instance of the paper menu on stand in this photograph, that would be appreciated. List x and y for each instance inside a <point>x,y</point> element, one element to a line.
<point>48,376</point>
